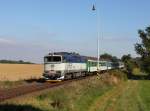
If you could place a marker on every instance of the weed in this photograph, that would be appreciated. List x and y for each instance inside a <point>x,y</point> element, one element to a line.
<point>59,100</point>
<point>42,97</point>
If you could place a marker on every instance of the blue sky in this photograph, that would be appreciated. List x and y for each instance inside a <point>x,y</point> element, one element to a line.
<point>29,29</point>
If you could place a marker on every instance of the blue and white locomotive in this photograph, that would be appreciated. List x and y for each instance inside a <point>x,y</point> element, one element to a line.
<point>64,65</point>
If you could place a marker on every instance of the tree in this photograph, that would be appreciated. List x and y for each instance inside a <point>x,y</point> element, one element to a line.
<point>106,56</point>
<point>143,49</point>
<point>15,62</point>
<point>114,59</point>
<point>109,57</point>
<point>129,63</point>
<point>126,58</point>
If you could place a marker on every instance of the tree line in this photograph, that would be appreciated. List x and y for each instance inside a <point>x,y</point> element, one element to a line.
<point>15,62</point>
<point>143,50</point>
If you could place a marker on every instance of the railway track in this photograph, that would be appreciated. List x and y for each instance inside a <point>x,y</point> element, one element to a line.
<point>22,90</point>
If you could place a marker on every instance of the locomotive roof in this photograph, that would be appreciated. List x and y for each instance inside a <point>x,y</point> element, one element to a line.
<point>63,53</point>
<point>75,54</point>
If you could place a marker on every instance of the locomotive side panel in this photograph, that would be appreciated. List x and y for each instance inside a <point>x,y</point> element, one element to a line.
<point>74,70</point>
<point>75,67</point>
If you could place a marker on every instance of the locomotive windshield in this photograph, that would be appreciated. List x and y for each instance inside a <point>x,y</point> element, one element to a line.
<point>52,59</point>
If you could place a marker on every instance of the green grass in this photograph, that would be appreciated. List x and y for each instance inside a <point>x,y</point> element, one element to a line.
<point>89,96</point>
<point>110,92</point>
<point>76,96</point>
<point>145,93</point>
<point>132,95</point>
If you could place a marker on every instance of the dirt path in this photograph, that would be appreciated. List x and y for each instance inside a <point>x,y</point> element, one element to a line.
<point>124,97</point>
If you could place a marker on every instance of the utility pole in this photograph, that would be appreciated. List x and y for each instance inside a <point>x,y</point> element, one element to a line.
<point>97,14</point>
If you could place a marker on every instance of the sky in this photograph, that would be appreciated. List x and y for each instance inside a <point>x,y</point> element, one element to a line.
<point>30,29</point>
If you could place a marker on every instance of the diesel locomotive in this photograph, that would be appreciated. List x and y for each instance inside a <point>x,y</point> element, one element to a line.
<point>65,65</point>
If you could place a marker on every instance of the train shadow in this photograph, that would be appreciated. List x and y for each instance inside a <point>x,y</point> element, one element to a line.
<point>11,107</point>
<point>40,80</point>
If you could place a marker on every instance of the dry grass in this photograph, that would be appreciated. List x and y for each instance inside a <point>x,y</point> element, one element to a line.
<point>15,72</point>
<point>79,96</point>
<point>110,92</point>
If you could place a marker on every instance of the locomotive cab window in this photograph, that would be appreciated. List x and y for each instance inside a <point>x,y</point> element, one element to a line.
<point>52,59</point>
<point>56,59</point>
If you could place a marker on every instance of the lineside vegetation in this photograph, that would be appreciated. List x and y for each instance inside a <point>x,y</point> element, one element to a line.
<point>76,96</point>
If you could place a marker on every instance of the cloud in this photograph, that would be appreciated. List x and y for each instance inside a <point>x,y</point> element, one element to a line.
<point>6,41</point>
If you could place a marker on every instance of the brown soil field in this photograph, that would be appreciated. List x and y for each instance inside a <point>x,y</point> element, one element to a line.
<point>16,72</point>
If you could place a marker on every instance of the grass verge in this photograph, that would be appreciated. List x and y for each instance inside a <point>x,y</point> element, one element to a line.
<point>76,96</point>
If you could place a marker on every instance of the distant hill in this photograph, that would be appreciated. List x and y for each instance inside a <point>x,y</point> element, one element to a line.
<point>15,62</point>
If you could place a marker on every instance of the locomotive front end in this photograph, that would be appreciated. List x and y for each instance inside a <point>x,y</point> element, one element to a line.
<point>53,67</point>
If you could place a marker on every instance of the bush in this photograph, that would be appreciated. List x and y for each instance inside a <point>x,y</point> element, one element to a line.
<point>119,74</point>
